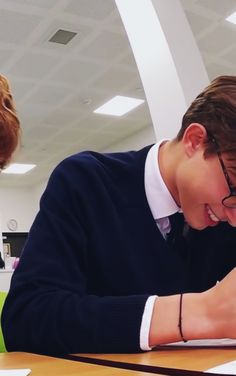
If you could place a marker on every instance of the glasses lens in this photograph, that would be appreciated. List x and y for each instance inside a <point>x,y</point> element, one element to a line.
<point>230,201</point>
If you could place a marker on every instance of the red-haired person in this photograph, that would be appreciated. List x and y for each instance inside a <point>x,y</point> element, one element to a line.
<point>9,128</point>
<point>9,123</point>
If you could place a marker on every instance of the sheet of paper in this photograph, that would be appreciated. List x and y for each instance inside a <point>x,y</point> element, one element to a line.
<point>206,343</point>
<point>227,368</point>
<point>15,372</point>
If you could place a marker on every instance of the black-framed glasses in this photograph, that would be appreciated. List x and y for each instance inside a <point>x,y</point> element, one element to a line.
<point>230,200</point>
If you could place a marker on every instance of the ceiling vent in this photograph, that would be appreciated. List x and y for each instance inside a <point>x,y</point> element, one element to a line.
<point>62,36</point>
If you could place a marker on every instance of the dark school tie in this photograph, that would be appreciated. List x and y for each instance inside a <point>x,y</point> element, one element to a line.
<point>177,236</point>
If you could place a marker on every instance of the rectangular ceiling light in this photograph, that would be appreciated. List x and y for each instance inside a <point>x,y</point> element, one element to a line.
<point>18,168</point>
<point>232,18</point>
<point>118,106</point>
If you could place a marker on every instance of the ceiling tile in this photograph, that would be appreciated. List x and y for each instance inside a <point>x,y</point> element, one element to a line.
<point>141,113</point>
<point>16,27</point>
<point>231,56</point>
<point>66,136</point>
<point>124,127</point>
<point>128,61</point>
<point>75,73</point>
<point>34,65</point>
<point>94,122</point>
<point>50,95</point>
<point>100,140</point>
<point>188,3</point>
<point>217,40</point>
<point>94,9</point>
<point>196,22</point>
<point>215,70</point>
<point>61,117</point>
<point>33,114</point>
<point>37,3</point>
<point>5,54</point>
<point>82,33</point>
<point>27,146</point>
<point>86,101</point>
<point>20,88</point>
<point>114,79</point>
<point>107,46</point>
<point>218,6</point>
<point>42,133</point>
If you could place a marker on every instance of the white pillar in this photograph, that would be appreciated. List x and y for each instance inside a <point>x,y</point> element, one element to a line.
<point>167,57</point>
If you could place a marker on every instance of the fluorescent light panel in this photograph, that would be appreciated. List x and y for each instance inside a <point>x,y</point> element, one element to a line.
<point>18,168</point>
<point>232,18</point>
<point>118,106</point>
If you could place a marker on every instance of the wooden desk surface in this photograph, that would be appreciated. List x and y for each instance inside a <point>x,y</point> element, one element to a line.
<point>199,359</point>
<point>45,365</point>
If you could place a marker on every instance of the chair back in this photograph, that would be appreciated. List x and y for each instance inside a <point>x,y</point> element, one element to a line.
<point>2,300</point>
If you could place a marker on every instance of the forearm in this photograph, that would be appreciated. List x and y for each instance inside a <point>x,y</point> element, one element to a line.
<point>196,319</point>
<point>56,321</point>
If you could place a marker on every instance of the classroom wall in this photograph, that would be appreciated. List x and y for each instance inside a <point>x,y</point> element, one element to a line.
<point>17,203</point>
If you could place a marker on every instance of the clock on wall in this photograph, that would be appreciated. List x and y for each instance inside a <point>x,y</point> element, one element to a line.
<point>12,224</point>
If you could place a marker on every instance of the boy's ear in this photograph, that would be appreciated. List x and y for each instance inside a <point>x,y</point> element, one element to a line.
<point>194,138</point>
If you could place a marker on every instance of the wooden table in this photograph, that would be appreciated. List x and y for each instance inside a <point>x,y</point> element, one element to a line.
<point>178,358</point>
<point>199,359</point>
<point>44,365</point>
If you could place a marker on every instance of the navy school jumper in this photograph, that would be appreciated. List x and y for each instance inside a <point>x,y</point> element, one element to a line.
<point>94,255</point>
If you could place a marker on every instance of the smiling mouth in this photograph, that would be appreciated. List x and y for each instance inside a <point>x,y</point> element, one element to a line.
<point>212,216</point>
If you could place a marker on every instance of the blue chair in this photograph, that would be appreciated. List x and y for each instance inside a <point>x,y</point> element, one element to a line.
<point>2,300</point>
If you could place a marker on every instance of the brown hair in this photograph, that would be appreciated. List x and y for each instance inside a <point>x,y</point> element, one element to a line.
<point>215,109</point>
<point>9,123</point>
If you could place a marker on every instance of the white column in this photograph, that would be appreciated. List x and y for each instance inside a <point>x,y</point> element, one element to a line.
<point>167,57</point>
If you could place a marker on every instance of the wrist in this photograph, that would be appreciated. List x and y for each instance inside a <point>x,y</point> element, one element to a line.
<point>196,318</point>
<point>164,323</point>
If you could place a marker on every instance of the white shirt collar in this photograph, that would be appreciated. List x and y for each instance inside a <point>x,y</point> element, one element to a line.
<point>159,198</point>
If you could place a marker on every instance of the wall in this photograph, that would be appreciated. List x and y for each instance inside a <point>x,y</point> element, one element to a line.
<point>37,192</point>
<point>17,203</point>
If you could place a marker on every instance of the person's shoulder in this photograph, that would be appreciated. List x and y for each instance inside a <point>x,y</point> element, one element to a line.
<point>89,165</point>
<point>90,159</point>
<point>90,168</point>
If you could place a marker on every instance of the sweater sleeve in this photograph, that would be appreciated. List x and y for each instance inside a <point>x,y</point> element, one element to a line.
<point>50,309</point>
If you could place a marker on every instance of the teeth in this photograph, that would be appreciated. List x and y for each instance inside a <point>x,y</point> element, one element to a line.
<point>212,215</point>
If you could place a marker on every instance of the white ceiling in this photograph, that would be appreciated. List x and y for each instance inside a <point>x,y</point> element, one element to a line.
<point>57,87</point>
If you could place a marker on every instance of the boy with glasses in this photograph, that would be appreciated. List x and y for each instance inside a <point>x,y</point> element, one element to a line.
<point>108,266</point>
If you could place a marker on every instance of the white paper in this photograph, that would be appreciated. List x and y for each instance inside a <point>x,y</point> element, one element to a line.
<point>227,368</point>
<point>15,372</point>
<point>206,343</point>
